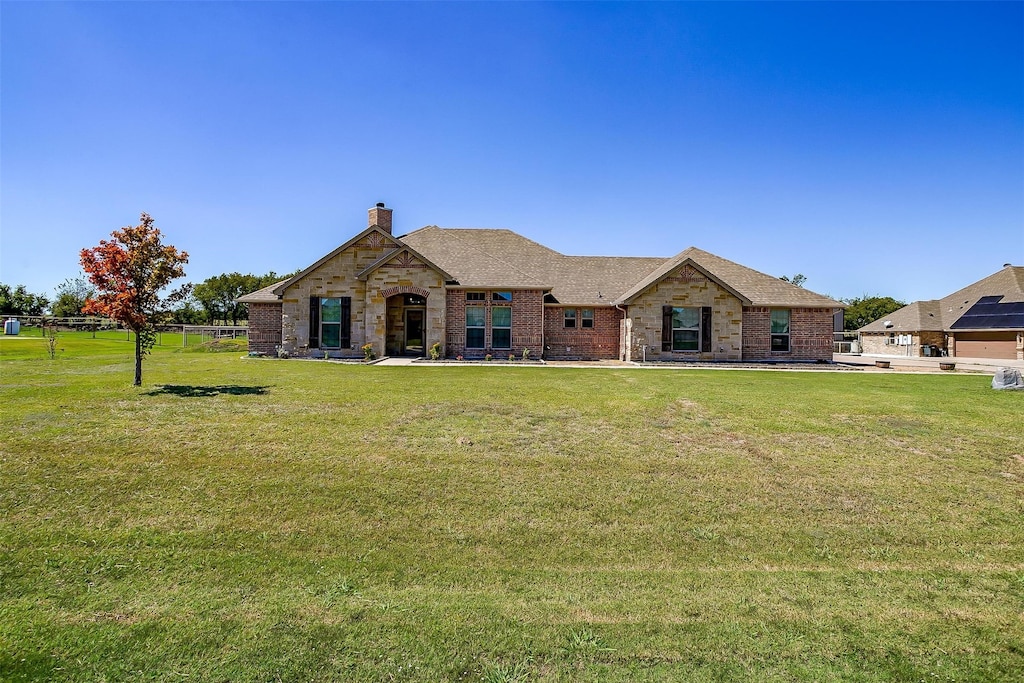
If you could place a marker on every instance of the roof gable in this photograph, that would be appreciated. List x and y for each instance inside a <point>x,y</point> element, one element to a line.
<point>751,287</point>
<point>404,256</point>
<point>376,237</point>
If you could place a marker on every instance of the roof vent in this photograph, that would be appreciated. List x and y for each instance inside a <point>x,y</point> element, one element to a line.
<point>887,324</point>
<point>1007,265</point>
<point>380,205</point>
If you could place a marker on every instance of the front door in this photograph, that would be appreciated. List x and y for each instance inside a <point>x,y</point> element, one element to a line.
<point>414,331</point>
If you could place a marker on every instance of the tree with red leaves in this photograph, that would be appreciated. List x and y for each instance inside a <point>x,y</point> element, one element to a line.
<point>129,272</point>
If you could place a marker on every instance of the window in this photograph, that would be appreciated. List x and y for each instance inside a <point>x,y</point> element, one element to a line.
<point>686,329</point>
<point>570,318</point>
<point>501,327</point>
<point>475,296</point>
<point>334,318</point>
<point>475,327</point>
<point>501,296</point>
<point>587,317</point>
<point>780,330</point>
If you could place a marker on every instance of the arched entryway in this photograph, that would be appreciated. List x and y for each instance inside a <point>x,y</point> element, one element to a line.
<point>406,321</point>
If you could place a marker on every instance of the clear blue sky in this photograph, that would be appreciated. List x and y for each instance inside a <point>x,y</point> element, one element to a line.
<point>875,147</point>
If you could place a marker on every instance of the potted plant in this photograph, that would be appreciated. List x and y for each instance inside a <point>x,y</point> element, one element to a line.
<point>368,353</point>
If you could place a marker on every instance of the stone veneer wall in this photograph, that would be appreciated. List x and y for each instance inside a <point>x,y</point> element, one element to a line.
<point>581,343</point>
<point>395,278</point>
<point>810,334</point>
<point>876,343</point>
<point>687,288</point>
<point>337,277</point>
<point>527,323</point>
<point>265,327</point>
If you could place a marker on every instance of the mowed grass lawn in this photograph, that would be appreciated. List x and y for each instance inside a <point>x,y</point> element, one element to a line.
<point>264,520</point>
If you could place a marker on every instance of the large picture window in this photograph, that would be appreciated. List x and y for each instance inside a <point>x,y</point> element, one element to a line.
<point>780,330</point>
<point>686,329</point>
<point>330,322</point>
<point>501,327</point>
<point>475,321</point>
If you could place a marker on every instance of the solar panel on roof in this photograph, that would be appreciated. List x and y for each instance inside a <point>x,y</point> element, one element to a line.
<point>989,314</point>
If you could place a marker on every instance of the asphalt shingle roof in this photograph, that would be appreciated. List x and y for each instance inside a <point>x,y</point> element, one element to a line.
<point>943,314</point>
<point>492,258</point>
<point>754,287</point>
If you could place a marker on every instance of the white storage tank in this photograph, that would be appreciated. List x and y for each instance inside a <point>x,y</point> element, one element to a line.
<point>12,326</point>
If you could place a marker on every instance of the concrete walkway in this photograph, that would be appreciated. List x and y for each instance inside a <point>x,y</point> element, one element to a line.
<point>843,360</point>
<point>395,360</point>
<point>918,364</point>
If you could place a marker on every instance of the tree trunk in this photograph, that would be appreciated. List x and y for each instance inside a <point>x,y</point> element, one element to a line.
<point>138,360</point>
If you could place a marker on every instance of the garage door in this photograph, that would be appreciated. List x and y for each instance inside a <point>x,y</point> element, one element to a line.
<point>987,345</point>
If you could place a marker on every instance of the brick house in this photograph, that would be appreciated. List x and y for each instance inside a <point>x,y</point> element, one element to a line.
<point>480,291</point>
<point>983,320</point>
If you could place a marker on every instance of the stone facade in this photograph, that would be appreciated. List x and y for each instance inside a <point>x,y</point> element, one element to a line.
<point>527,323</point>
<point>686,288</point>
<point>337,277</point>
<point>585,343</point>
<point>810,334</point>
<point>386,288</point>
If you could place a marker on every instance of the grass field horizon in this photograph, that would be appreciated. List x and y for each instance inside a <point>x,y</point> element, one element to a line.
<point>258,520</point>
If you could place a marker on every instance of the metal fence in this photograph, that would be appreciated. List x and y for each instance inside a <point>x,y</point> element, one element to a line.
<point>105,328</point>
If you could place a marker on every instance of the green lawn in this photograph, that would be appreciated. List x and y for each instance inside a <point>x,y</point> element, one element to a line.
<point>264,520</point>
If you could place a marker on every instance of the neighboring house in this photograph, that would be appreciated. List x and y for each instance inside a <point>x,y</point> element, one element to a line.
<point>982,320</point>
<point>480,291</point>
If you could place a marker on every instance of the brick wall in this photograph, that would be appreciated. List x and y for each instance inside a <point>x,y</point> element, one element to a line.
<point>527,323</point>
<point>810,334</point>
<point>265,327</point>
<point>581,343</point>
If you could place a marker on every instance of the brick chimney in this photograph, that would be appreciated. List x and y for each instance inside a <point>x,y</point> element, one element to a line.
<point>381,217</point>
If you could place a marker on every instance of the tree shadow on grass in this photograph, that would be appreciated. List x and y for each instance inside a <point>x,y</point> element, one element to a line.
<point>191,391</point>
